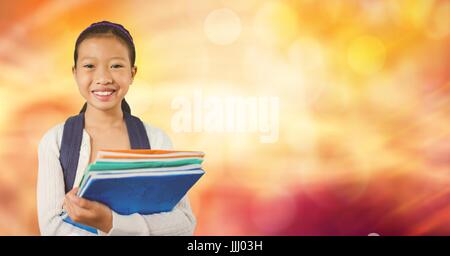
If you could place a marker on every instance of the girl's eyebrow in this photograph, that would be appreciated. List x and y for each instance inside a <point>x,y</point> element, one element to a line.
<point>93,58</point>
<point>121,58</point>
<point>84,58</point>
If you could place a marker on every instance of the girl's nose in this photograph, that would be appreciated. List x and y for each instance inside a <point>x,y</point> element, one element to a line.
<point>103,81</point>
<point>103,77</point>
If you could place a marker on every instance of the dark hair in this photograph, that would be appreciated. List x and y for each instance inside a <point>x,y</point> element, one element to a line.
<point>105,28</point>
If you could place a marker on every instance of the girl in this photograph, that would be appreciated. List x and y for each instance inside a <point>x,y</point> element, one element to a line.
<point>103,69</point>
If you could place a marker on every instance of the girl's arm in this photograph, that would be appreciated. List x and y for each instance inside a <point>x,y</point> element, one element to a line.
<point>50,188</point>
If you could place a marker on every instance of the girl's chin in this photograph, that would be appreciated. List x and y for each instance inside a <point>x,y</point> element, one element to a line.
<point>104,106</point>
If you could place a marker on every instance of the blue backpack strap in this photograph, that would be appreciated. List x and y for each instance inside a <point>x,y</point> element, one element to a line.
<point>136,132</point>
<point>69,152</point>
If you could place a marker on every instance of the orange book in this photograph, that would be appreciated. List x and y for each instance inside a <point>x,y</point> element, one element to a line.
<point>147,151</point>
<point>147,154</point>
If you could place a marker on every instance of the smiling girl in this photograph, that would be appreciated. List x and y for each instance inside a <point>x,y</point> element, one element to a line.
<point>104,68</point>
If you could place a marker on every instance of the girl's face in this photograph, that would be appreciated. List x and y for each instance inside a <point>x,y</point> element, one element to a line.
<point>103,71</point>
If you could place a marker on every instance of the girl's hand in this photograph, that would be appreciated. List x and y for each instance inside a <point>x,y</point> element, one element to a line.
<point>88,212</point>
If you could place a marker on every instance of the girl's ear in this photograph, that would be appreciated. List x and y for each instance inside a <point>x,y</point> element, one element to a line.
<point>133,72</point>
<point>74,70</point>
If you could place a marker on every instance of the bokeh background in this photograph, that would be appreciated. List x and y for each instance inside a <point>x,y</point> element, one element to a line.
<point>364,130</point>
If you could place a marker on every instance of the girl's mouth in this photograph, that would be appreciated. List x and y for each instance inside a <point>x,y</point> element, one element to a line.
<point>104,95</point>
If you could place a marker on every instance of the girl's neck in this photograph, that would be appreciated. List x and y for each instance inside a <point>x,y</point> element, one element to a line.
<point>103,119</point>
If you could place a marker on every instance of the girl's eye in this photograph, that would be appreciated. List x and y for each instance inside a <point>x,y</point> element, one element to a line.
<point>88,66</point>
<point>116,66</point>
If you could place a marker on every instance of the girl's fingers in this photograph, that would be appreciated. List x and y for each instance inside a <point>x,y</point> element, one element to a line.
<point>79,209</point>
<point>71,205</point>
<point>77,213</point>
<point>68,207</point>
<point>73,191</point>
<point>83,214</point>
<point>83,203</point>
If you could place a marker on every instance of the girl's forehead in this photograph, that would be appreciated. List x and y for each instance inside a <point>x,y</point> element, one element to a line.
<point>102,46</point>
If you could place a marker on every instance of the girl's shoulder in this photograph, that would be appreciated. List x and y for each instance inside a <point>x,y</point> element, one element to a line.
<point>52,138</point>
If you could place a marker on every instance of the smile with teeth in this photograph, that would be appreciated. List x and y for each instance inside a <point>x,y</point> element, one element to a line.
<point>103,93</point>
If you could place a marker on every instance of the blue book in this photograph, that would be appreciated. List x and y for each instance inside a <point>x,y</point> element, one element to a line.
<point>143,192</point>
<point>67,219</point>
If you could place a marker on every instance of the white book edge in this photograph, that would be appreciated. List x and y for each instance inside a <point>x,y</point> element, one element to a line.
<point>115,160</point>
<point>108,153</point>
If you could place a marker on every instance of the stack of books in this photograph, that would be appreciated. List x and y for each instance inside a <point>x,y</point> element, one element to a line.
<point>139,181</point>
